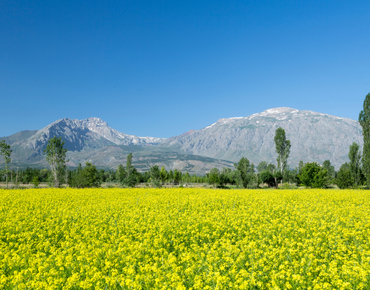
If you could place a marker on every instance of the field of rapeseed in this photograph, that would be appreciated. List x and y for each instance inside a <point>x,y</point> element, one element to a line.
<point>184,239</point>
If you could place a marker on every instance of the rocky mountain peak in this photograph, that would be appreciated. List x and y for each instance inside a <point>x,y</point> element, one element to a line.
<point>314,137</point>
<point>280,110</point>
<point>94,122</point>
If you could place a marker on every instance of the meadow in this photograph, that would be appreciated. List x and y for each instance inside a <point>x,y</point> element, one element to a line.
<point>184,239</point>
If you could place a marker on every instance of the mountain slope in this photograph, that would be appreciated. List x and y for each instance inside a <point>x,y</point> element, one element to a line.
<point>91,133</point>
<point>314,137</point>
<point>19,136</point>
<point>94,141</point>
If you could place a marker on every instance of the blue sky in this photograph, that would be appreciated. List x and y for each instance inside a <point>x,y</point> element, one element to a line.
<point>161,68</point>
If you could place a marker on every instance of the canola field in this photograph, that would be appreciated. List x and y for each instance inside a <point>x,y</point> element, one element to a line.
<point>184,239</point>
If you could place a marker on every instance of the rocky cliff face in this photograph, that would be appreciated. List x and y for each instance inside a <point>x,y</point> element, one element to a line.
<point>91,133</point>
<point>94,141</point>
<point>314,137</point>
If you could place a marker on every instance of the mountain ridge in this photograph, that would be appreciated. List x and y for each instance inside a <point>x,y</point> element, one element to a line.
<point>314,137</point>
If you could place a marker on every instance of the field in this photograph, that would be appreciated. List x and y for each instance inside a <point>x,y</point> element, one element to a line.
<point>184,239</point>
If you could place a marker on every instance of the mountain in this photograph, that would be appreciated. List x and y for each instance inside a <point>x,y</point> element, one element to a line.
<point>314,137</point>
<point>19,136</point>
<point>91,133</point>
<point>94,141</point>
<point>145,157</point>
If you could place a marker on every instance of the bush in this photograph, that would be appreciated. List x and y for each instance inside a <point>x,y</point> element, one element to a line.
<point>344,178</point>
<point>313,175</point>
<point>35,181</point>
<point>268,178</point>
<point>85,177</point>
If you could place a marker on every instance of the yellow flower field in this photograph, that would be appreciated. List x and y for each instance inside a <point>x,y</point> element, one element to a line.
<point>184,239</point>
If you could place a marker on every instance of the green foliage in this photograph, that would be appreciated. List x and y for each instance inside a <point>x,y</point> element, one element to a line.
<point>226,176</point>
<point>345,177</point>
<point>213,176</point>
<point>321,179</point>
<point>84,177</point>
<point>244,172</point>
<point>177,176</point>
<point>170,176</point>
<point>186,177</point>
<point>120,174</point>
<point>354,156</point>
<point>313,175</point>
<point>282,146</point>
<point>90,176</point>
<point>268,178</point>
<point>290,176</point>
<point>132,175</point>
<point>263,165</point>
<point>288,186</point>
<point>364,120</point>
<point>155,176</point>
<point>56,157</point>
<point>35,181</point>
<point>278,176</point>
<point>6,153</point>
<point>164,175</point>
<point>330,168</point>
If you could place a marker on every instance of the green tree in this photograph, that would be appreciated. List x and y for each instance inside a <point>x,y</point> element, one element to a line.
<point>300,166</point>
<point>170,176</point>
<point>262,166</point>
<point>129,166</point>
<point>121,174</point>
<point>35,181</point>
<point>214,177</point>
<point>321,179</point>
<point>155,175</point>
<point>6,152</point>
<point>177,176</point>
<point>164,175</point>
<point>132,175</point>
<point>186,177</point>
<point>364,119</point>
<point>90,176</point>
<point>244,172</point>
<point>83,177</point>
<point>76,179</point>
<point>282,146</point>
<point>56,157</point>
<point>330,168</point>
<point>344,178</point>
<point>268,178</point>
<point>313,175</point>
<point>225,176</point>
<point>355,162</point>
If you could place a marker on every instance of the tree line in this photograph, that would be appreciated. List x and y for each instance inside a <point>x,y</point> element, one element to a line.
<point>351,174</point>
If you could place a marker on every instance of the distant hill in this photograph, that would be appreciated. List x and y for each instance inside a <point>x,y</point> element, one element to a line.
<point>314,137</point>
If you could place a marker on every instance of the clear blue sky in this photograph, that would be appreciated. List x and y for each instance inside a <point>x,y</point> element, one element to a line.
<point>161,68</point>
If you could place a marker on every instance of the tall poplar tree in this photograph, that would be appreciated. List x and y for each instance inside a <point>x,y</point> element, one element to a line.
<point>131,173</point>
<point>6,152</point>
<point>56,157</point>
<point>364,119</point>
<point>282,146</point>
<point>354,156</point>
